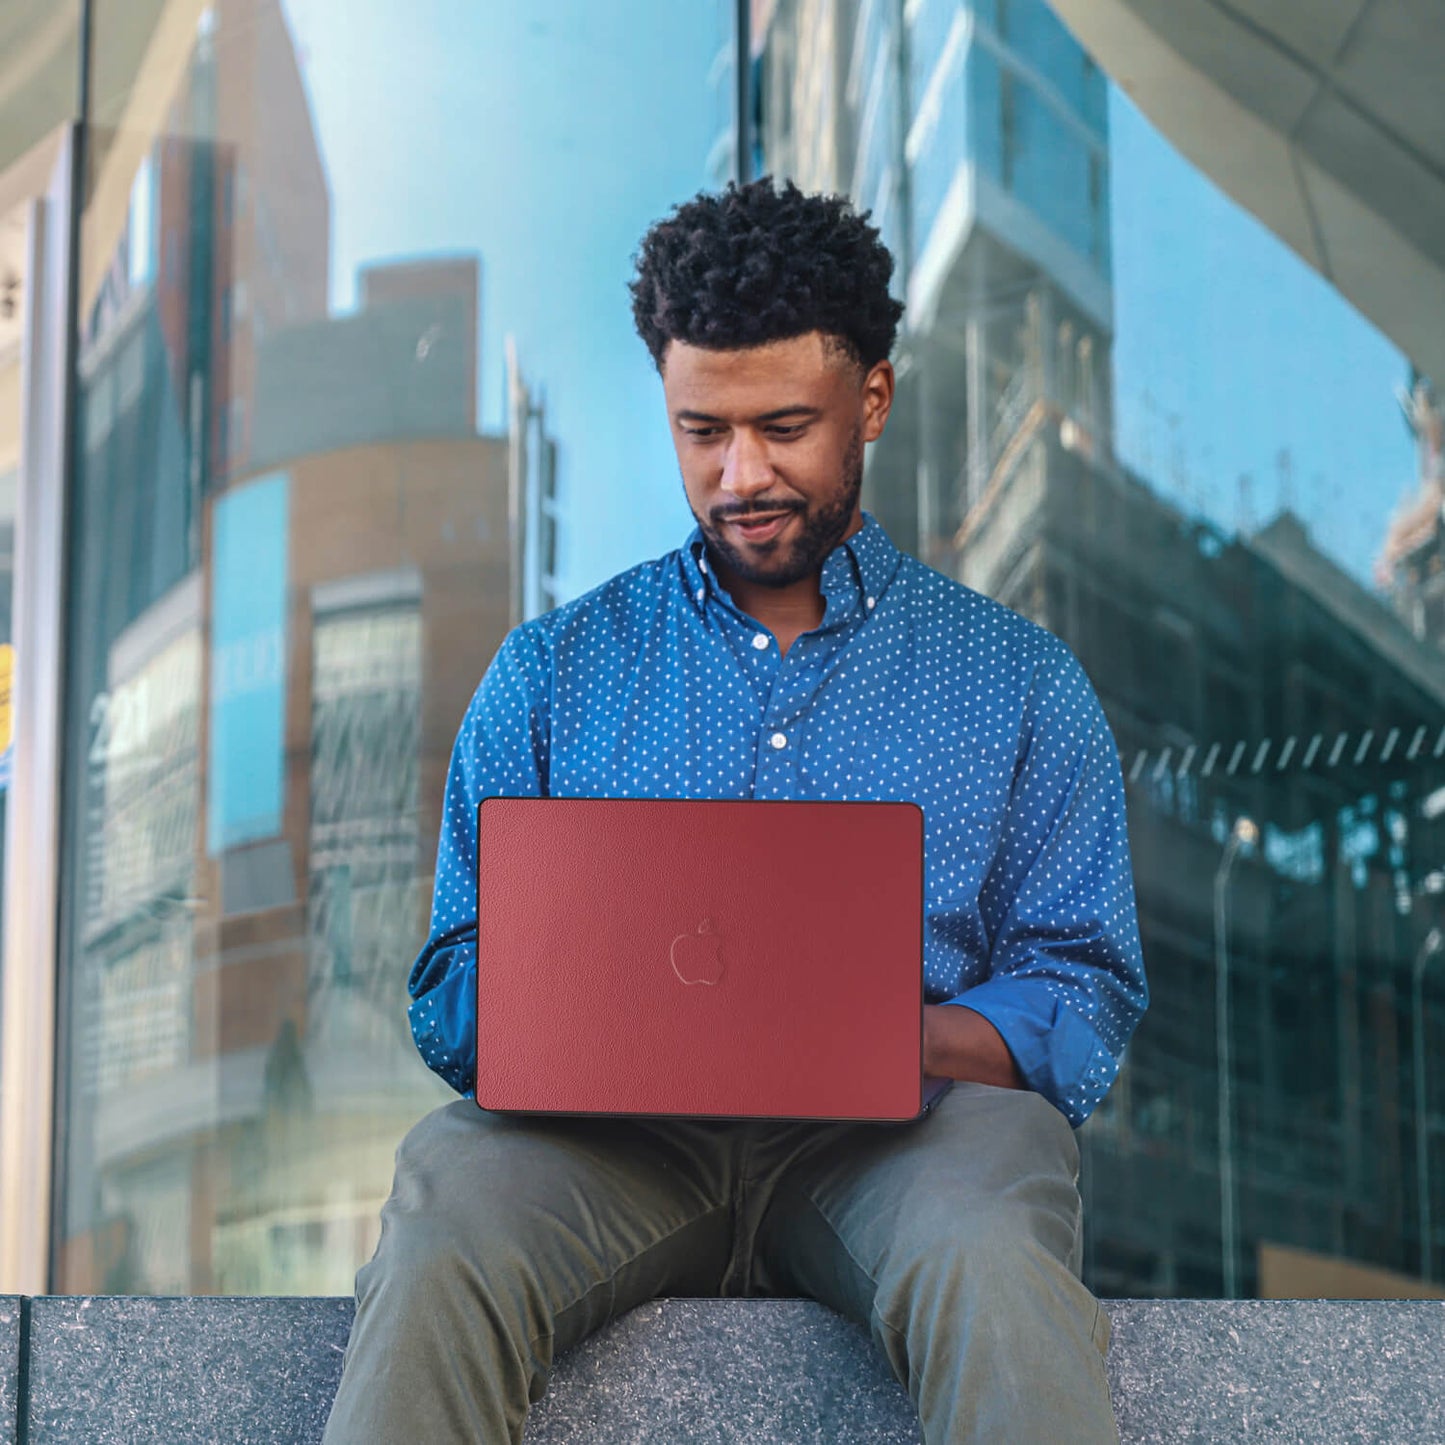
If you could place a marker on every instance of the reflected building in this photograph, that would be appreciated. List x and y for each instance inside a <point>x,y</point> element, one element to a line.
<point>335,689</point>
<point>1252,677</point>
<point>534,504</point>
<point>1411,565</point>
<point>976,134</point>
<point>288,558</point>
<point>263,824</point>
<point>166,382</point>
<point>403,365</point>
<point>295,554</point>
<point>1243,677</point>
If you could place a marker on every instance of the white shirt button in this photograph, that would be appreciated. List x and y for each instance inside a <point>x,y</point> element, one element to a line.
<point>698,594</point>
<point>761,642</point>
<point>872,603</point>
<point>702,564</point>
<point>779,740</point>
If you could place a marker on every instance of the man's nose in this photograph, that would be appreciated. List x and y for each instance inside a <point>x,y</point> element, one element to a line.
<point>747,472</point>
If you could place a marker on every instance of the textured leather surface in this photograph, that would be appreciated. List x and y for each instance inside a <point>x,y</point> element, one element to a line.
<point>598,920</point>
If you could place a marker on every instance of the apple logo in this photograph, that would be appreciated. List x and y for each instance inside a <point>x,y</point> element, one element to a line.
<point>695,956</point>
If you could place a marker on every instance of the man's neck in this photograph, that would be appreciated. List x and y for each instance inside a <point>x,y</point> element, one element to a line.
<point>786,612</point>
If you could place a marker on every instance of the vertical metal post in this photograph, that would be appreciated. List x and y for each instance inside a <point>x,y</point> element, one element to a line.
<point>902,118</point>
<point>1244,832</point>
<point>70,199</point>
<point>978,420</point>
<point>743,91</point>
<point>1431,945</point>
<point>518,464</point>
<point>28,1047</point>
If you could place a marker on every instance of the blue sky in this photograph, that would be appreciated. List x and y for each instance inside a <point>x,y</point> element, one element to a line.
<point>1230,350</point>
<point>546,136</point>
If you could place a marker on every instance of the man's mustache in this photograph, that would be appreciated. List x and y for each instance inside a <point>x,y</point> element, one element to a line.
<point>755,509</point>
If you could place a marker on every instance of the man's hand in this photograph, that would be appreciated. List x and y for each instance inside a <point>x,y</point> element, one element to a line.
<point>961,1044</point>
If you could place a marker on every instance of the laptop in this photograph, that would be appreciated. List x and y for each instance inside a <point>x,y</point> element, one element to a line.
<point>712,959</point>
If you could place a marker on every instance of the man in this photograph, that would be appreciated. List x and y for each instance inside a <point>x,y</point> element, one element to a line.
<point>788,650</point>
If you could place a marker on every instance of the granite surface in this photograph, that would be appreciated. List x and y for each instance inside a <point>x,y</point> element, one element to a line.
<point>9,1366</point>
<point>1291,1372</point>
<point>183,1371</point>
<point>725,1372</point>
<point>106,1371</point>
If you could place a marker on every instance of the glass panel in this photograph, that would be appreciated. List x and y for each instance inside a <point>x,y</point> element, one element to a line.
<point>14,246</point>
<point>39,94</point>
<point>1130,412</point>
<point>1035,36</point>
<point>353,275</point>
<point>940,137</point>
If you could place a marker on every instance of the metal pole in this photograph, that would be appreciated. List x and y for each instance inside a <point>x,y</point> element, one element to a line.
<point>517,465</point>
<point>1422,1148</point>
<point>743,91</point>
<point>1244,832</point>
<point>32,987</point>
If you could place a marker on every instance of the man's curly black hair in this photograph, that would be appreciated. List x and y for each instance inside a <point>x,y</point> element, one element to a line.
<point>756,264</point>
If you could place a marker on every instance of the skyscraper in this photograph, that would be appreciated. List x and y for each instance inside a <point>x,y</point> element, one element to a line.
<point>976,134</point>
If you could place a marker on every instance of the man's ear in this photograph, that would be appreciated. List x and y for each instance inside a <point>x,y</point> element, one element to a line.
<point>878,389</point>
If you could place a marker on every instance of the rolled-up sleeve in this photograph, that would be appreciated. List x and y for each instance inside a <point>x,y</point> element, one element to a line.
<point>501,750</point>
<point>1066,984</point>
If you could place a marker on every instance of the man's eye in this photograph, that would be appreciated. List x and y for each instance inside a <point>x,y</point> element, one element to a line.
<point>702,433</point>
<point>783,432</point>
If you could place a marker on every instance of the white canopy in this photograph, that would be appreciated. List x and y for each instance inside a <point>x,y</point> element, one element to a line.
<point>1326,119</point>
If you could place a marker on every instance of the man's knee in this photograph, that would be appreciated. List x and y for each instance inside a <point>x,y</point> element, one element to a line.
<point>446,1227</point>
<point>432,1143</point>
<point>983,1245</point>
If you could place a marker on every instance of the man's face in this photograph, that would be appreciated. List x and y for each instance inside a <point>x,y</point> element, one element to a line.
<point>770,442</point>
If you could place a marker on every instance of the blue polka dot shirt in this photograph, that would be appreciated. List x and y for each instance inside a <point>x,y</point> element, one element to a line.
<point>912,688</point>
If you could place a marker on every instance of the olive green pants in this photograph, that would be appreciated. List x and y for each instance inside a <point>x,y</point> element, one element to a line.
<point>955,1240</point>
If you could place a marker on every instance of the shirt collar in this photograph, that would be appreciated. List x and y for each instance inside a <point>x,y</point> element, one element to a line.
<point>874,561</point>
<point>855,574</point>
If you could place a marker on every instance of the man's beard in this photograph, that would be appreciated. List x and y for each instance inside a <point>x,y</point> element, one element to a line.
<point>821,531</point>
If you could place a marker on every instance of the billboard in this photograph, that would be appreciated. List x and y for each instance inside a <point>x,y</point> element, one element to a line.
<point>246,742</point>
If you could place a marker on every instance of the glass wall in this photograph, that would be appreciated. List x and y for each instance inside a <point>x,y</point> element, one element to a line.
<point>1131,413</point>
<point>357,389</point>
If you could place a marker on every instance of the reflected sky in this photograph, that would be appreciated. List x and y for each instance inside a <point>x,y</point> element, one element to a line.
<point>547,136</point>
<point>1229,350</point>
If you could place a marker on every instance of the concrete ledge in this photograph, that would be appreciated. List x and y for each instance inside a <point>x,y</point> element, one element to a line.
<point>1292,1372</point>
<point>139,1370</point>
<point>721,1372</point>
<point>134,1369</point>
<point>9,1366</point>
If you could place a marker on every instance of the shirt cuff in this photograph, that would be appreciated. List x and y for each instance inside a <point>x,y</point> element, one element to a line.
<point>443,1023</point>
<point>1057,1052</point>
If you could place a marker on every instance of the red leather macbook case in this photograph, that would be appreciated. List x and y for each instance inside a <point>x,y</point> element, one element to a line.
<point>732,959</point>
